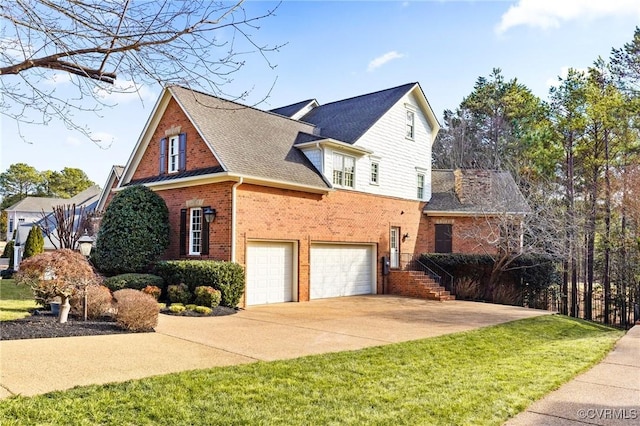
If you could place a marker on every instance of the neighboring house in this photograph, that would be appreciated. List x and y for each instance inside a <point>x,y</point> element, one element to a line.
<point>311,199</point>
<point>28,212</point>
<point>113,180</point>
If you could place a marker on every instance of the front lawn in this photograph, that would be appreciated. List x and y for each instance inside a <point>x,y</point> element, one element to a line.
<point>16,301</point>
<point>480,377</point>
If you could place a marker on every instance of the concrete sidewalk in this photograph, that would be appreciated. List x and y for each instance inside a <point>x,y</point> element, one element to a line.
<point>608,394</point>
<point>261,333</point>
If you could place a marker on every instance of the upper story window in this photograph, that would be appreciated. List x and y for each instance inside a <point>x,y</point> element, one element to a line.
<point>375,173</point>
<point>411,129</point>
<point>195,231</point>
<point>343,170</point>
<point>174,154</point>
<point>420,193</point>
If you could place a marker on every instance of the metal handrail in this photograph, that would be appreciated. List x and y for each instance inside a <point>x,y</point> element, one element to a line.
<point>413,262</point>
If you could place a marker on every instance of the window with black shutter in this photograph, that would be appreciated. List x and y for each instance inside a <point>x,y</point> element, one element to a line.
<point>444,240</point>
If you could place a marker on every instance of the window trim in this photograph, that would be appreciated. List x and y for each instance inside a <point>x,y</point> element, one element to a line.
<point>376,173</point>
<point>192,231</point>
<point>420,186</point>
<point>342,171</point>
<point>410,127</point>
<point>173,154</point>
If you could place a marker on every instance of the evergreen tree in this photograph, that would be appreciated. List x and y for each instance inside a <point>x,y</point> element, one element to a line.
<point>35,242</point>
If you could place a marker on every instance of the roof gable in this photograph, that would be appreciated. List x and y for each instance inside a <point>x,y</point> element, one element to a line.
<point>296,110</point>
<point>248,141</point>
<point>347,120</point>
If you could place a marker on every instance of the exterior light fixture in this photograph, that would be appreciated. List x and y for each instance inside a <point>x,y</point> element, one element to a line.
<point>85,244</point>
<point>209,214</point>
<point>406,236</point>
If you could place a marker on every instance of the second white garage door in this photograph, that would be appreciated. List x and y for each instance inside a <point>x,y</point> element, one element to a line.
<point>341,270</point>
<point>269,272</point>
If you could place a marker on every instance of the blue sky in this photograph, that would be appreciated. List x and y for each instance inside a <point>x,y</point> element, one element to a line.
<point>341,49</point>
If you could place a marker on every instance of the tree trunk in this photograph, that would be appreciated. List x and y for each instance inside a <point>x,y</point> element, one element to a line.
<point>65,307</point>
<point>607,230</point>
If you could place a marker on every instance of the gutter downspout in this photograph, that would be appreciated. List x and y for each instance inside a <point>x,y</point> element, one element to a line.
<point>233,218</point>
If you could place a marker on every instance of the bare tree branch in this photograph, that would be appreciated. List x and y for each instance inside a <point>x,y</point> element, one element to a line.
<point>198,44</point>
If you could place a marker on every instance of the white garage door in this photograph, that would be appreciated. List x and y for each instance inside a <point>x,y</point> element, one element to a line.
<point>341,270</point>
<point>269,272</point>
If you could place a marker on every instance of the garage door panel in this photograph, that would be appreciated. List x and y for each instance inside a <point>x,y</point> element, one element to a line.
<point>341,270</point>
<point>269,272</point>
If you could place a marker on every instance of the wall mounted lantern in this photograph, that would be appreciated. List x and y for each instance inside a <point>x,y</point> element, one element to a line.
<point>209,214</point>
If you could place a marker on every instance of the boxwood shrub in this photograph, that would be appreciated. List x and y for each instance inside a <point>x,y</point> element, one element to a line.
<point>134,281</point>
<point>227,277</point>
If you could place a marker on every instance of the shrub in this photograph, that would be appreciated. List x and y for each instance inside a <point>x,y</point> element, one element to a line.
<point>207,296</point>
<point>162,306</point>
<point>99,302</point>
<point>135,310</point>
<point>7,273</point>
<point>133,233</point>
<point>8,252</point>
<point>177,308</point>
<point>203,310</point>
<point>191,307</point>
<point>227,277</point>
<point>134,281</point>
<point>179,294</point>
<point>60,273</point>
<point>34,244</point>
<point>153,291</point>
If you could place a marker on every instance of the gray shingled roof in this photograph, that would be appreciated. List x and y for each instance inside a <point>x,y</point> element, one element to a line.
<point>34,204</point>
<point>504,197</point>
<point>249,141</point>
<point>291,110</point>
<point>347,120</point>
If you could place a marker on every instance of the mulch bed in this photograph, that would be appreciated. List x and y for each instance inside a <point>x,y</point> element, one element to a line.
<point>43,324</point>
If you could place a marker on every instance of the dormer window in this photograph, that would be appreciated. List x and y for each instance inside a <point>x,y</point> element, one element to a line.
<point>343,170</point>
<point>411,116</point>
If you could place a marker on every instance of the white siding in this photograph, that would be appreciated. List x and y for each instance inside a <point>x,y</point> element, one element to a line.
<point>398,157</point>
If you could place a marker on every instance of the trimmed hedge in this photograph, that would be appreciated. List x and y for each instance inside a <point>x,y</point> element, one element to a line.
<point>134,232</point>
<point>227,277</point>
<point>134,281</point>
<point>526,281</point>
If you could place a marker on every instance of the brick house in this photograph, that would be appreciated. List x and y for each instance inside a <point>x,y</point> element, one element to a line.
<point>311,199</point>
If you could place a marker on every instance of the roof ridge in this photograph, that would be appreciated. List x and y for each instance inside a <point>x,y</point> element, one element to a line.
<point>239,104</point>
<point>368,94</point>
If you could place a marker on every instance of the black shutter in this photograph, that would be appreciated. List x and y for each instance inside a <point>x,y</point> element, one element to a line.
<point>183,232</point>
<point>204,248</point>
<point>182,152</point>
<point>444,239</point>
<point>163,156</point>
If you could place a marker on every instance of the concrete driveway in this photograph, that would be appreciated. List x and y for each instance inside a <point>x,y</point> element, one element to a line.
<point>261,333</point>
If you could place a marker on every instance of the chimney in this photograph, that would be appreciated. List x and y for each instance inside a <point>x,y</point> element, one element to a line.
<point>472,185</point>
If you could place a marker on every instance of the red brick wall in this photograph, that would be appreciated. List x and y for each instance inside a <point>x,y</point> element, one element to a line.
<point>218,196</point>
<point>198,154</point>
<point>340,216</point>
<point>470,235</point>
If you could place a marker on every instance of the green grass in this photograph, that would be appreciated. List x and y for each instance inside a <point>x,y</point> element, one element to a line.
<point>481,377</point>
<point>16,301</point>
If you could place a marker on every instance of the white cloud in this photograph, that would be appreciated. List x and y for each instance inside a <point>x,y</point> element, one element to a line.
<point>123,91</point>
<point>103,139</point>
<point>564,71</point>
<point>552,13</point>
<point>73,141</point>
<point>381,60</point>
